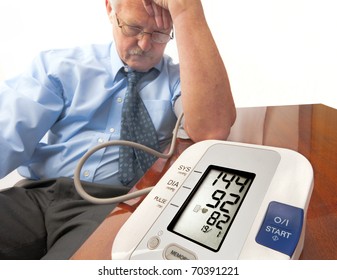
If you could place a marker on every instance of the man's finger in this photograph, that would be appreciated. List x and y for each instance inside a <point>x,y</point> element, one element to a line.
<point>148,7</point>
<point>158,15</point>
<point>167,20</point>
<point>161,15</point>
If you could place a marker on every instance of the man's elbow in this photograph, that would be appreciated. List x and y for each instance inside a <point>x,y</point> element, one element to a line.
<point>217,132</point>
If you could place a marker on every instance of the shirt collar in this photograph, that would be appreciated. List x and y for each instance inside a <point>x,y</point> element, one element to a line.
<point>116,64</point>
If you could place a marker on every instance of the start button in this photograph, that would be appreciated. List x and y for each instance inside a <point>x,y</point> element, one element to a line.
<point>175,252</point>
<point>281,228</point>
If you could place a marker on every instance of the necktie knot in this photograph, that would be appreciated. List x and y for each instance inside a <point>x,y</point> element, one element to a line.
<point>134,77</point>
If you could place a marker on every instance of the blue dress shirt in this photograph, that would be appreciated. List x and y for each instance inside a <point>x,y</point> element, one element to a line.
<point>74,98</point>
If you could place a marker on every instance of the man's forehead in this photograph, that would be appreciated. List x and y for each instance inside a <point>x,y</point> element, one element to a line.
<point>136,15</point>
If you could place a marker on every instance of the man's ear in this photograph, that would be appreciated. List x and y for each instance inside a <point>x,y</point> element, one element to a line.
<point>108,7</point>
<point>109,10</point>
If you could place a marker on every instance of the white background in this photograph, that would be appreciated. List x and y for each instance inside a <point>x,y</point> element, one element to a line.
<point>246,269</point>
<point>277,52</point>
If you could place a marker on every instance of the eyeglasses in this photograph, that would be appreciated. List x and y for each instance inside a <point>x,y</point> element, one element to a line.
<point>133,31</point>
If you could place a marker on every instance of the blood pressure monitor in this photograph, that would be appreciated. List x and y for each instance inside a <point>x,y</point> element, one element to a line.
<point>222,200</point>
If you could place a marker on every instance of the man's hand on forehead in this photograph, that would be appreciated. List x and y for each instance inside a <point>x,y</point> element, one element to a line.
<point>159,10</point>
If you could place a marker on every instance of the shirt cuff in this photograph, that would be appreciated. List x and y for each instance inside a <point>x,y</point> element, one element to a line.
<point>178,110</point>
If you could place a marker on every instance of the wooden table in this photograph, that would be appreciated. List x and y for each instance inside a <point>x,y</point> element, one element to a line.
<point>309,129</point>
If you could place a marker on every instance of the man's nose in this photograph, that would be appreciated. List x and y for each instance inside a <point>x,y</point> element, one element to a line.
<point>145,41</point>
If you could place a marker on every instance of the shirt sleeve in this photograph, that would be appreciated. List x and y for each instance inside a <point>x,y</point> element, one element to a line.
<point>178,109</point>
<point>29,104</point>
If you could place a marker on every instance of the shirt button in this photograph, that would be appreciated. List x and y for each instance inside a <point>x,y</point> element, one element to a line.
<point>86,173</point>
<point>100,140</point>
<point>119,99</point>
<point>112,130</point>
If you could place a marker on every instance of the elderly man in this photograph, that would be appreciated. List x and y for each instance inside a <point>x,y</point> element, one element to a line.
<point>83,96</point>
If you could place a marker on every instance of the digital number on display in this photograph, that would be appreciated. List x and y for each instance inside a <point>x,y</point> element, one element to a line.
<point>208,213</point>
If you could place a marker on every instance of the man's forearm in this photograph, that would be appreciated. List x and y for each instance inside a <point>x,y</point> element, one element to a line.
<point>206,94</point>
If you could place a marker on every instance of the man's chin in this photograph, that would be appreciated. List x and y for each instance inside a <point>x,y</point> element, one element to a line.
<point>141,67</point>
<point>140,63</point>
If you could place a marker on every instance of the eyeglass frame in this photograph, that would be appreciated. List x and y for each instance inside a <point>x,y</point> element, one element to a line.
<point>121,24</point>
